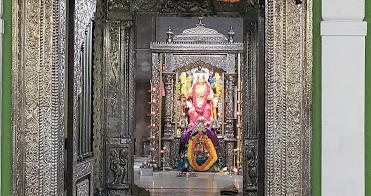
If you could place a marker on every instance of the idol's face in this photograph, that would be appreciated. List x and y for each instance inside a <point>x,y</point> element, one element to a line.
<point>201,80</point>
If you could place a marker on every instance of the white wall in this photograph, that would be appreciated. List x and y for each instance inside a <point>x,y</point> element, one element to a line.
<point>343,81</point>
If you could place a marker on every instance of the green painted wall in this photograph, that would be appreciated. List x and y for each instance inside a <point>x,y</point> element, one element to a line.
<point>6,143</point>
<point>316,129</point>
<point>368,102</point>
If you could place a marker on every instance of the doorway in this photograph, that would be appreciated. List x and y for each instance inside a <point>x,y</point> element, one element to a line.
<point>122,39</point>
<point>284,62</point>
<point>220,65</point>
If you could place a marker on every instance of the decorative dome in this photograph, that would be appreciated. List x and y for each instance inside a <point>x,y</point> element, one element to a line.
<point>200,34</point>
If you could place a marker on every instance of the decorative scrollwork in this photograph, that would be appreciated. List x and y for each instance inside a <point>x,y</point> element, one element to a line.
<point>83,169</point>
<point>240,7</point>
<point>187,6</point>
<point>222,154</point>
<point>199,63</point>
<point>174,153</point>
<point>146,5</point>
<point>288,79</point>
<point>114,49</point>
<point>37,97</point>
<point>83,188</point>
<point>118,5</point>
<point>192,7</point>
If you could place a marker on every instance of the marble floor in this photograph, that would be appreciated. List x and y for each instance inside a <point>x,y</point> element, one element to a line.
<point>167,183</point>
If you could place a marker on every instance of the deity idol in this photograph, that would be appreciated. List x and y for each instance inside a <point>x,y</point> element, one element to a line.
<point>201,96</point>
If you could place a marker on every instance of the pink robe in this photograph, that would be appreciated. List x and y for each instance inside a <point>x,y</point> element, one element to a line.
<point>203,110</point>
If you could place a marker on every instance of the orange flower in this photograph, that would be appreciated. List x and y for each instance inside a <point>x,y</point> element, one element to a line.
<point>209,146</point>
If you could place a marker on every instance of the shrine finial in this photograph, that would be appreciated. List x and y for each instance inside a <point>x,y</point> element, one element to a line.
<point>231,34</point>
<point>200,21</point>
<point>169,34</point>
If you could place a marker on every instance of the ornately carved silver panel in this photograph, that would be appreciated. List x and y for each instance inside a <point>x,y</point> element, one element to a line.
<point>193,7</point>
<point>61,79</point>
<point>37,84</point>
<point>174,154</point>
<point>122,5</point>
<point>112,80</point>
<point>222,154</point>
<point>226,62</point>
<point>288,97</point>
<point>199,48</point>
<point>83,169</point>
<point>83,188</point>
<point>118,162</point>
<point>119,93</point>
<point>155,107</point>
<point>250,117</point>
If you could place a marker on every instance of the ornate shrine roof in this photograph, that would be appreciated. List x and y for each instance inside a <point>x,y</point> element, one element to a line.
<point>200,34</point>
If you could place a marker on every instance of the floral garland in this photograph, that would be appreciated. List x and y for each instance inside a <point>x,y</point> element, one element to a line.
<point>209,146</point>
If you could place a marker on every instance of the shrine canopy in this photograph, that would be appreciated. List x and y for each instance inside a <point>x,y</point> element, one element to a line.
<point>198,39</point>
<point>198,44</point>
<point>200,34</point>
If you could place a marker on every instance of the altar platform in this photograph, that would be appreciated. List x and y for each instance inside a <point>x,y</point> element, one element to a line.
<point>167,183</point>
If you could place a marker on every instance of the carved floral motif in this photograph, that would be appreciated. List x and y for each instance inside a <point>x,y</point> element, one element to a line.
<point>187,6</point>
<point>118,4</point>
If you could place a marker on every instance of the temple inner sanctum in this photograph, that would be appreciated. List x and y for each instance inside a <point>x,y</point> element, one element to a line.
<point>195,100</point>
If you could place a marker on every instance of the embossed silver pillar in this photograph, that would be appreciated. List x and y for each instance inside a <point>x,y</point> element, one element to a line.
<point>252,116</point>
<point>229,136</point>
<point>37,99</point>
<point>119,92</point>
<point>288,43</point>
<point>168,86</point>
<point>155,107</point>
<point>230,107</point>
<point>169,127</point>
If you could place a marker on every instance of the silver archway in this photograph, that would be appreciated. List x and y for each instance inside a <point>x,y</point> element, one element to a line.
<point>38,90</point>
